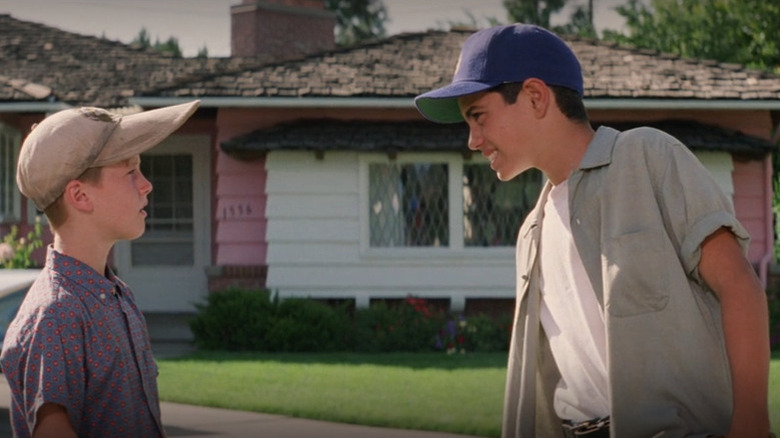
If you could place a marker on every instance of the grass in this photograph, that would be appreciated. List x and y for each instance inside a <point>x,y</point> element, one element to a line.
<point>774,393</point>
<point>459,393</point>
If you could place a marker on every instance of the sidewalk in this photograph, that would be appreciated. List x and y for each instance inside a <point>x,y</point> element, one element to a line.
<point>199,422</point>
<point>185,421</point>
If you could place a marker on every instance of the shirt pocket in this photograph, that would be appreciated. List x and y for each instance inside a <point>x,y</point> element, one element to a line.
<point>637,280</point>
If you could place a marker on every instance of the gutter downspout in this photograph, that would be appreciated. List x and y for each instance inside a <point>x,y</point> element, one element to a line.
<point>763,268</point>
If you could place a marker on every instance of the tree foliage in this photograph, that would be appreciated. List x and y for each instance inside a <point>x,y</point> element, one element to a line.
<point>533,11</point>
<point>738,31</point>
<point>472,21</point>
<point>358,20</point>
<point>540,12</point>
<point>170,46</point>
<point>580,23</point>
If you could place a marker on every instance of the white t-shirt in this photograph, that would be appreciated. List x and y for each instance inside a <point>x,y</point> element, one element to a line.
<point>571,317</point>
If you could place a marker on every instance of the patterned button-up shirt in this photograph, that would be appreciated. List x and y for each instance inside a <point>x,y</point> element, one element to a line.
<point>80,341</point>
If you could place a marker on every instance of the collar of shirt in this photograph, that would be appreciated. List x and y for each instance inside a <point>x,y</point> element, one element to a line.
<point>82,274</point>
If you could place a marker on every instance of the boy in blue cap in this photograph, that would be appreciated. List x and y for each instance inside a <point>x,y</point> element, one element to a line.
<point>637,312</point>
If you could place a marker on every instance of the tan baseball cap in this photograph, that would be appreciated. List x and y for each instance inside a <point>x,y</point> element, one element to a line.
<point>64,145</point>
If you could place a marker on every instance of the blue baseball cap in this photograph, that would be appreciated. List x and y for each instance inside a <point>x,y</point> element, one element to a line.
<point>498,55</point>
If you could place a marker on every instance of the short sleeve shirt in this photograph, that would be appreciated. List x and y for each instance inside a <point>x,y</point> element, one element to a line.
<point>80,341</point>
<point>641,204</point>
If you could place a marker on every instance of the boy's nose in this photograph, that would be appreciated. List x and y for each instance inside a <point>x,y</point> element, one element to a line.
<point>145,185</point>
<point>475,139</point>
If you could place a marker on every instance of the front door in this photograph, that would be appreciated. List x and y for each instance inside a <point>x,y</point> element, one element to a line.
<point>165,266</point>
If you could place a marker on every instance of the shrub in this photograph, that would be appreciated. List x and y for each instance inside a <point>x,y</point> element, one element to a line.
<point>486,334</point>
<point>302,325</point>
<point>237,319</point>
<point>16,252</point>
<point>475,333</point>
<point>410,326</point>
<point>774,322</point>
<point>234,319</point>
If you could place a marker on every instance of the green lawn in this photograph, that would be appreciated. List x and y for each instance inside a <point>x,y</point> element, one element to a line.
<point>774,393</point>
<point>459,393</point>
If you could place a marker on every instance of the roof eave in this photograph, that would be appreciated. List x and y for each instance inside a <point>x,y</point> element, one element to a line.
<point>408,102</point>
<point>682,104</point>
<point>279,102</point>
<point>32,107</point>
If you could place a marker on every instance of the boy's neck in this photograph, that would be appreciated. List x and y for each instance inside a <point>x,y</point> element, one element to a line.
<point>92,253</point>
<point>565,149</point>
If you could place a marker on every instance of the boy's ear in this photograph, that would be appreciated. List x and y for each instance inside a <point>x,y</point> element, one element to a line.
<point>77,196</point>
<point>539,94</point>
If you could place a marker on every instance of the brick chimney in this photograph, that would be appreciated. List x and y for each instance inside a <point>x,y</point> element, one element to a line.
<point>281,28</point>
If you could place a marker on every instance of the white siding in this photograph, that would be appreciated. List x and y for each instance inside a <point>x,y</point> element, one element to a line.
<point>314,241</point>
<point>317,237</point>
<point>721,167</point>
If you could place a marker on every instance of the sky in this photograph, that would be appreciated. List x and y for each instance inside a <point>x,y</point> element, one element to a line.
<point>206,23</point>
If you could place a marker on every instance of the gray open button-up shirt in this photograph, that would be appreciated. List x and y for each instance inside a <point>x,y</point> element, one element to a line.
<point>641,205</point>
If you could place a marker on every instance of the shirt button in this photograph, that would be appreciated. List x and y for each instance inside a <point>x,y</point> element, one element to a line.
<point>102,296</point>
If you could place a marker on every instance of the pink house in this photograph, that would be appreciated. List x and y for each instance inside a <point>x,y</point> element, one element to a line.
<point>315,176</point>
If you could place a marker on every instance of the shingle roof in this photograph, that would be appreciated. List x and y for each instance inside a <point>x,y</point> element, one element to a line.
<point>88,70</point>
<point>705,137</point>
<point>408,64</point>
<point>421,136</point>
<point>20,90</point>
<point>360,135</point>
<point>93,71</point>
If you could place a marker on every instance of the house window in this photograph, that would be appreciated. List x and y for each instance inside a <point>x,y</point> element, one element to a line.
<point>408,204</point>
<point>168,239</point>
<point>452,204</point>
<point>10,140</point>
<point>493,209</point>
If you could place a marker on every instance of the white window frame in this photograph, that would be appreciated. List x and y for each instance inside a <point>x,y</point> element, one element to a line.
<point>154,285</point>
<point>152,238</point>
<point>13,137</point>
<point>456,247</point>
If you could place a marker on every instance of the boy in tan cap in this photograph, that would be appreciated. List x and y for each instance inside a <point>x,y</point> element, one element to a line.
<point>77,356</point>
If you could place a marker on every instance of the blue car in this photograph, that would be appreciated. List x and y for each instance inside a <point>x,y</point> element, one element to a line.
<point>14,284</point>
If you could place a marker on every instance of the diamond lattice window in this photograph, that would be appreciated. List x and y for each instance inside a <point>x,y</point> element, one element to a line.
<point>409,205</point>
<point>493,210</point>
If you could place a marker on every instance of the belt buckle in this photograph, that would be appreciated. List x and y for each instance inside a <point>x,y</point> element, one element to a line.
<point>589,426</point>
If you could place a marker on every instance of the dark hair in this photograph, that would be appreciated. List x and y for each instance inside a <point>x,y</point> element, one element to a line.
<point>509,91</point>
<point>568,100</point>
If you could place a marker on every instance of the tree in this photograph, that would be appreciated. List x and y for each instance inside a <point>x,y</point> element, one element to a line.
<point>540,11</point>
<point>143,39</point>
<point>171,46</point>
<point>581,22</point>
<point>472,21</point>
<point>738,31</point>
<point>533,11</point>
<point>358,20</point>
